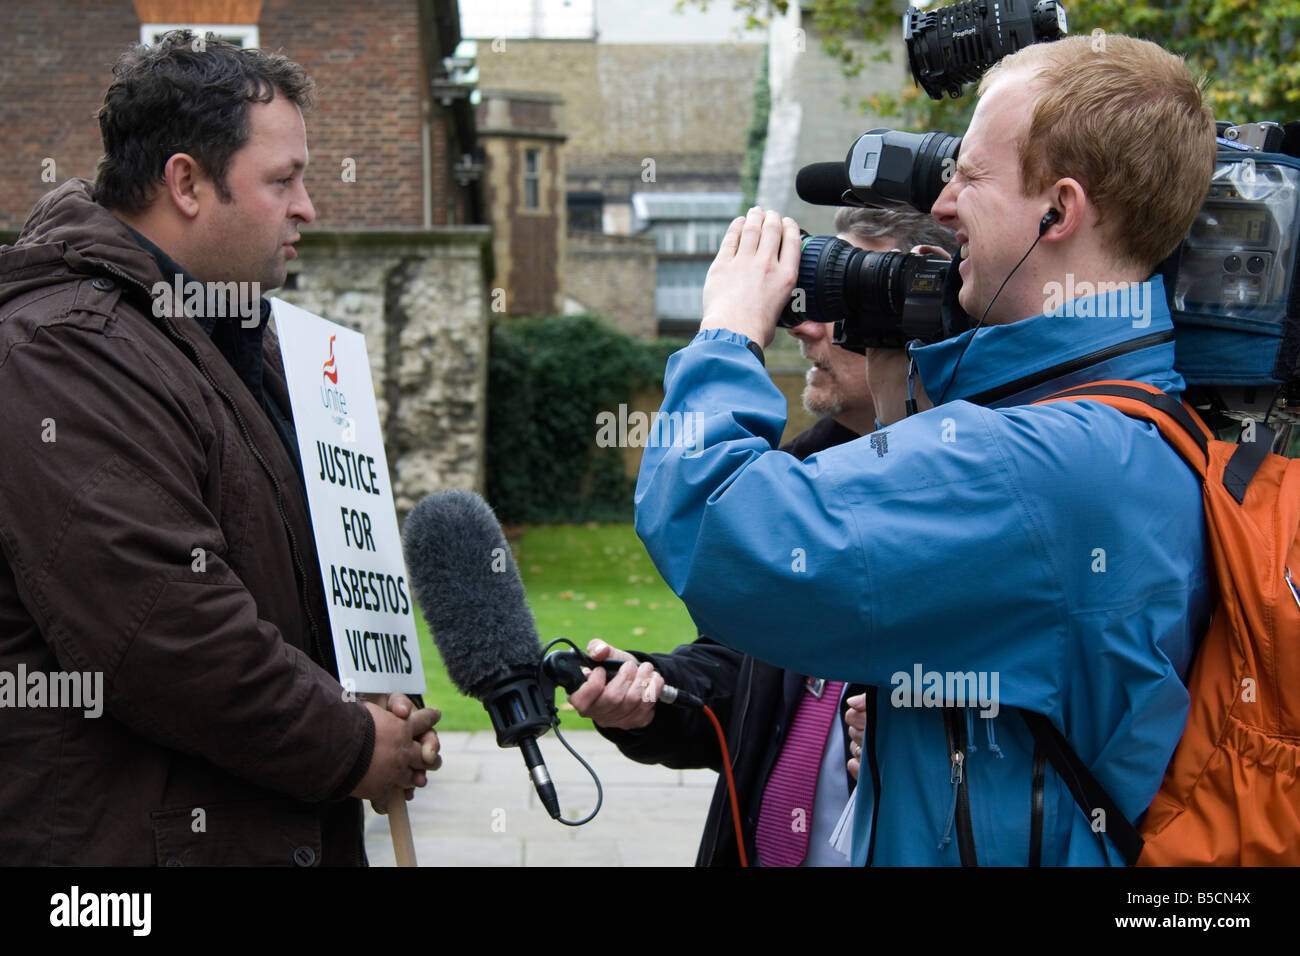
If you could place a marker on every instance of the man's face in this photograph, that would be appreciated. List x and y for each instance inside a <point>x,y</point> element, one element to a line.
<point>248,238</point>
<point>983,204</point>
<point>837,381</point>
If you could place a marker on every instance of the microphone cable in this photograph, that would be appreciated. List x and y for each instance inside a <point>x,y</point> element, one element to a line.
<point>1043,227</point>
<point>555,725</point>
<point>731,783</point>
<point>681,699</point>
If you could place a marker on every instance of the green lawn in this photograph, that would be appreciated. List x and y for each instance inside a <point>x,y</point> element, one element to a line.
<point>582,581</point>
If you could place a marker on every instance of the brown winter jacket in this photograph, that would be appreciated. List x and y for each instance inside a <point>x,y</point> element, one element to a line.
<point>153,529</point>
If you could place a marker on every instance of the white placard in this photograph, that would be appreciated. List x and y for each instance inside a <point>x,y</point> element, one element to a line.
<point>352,513</point>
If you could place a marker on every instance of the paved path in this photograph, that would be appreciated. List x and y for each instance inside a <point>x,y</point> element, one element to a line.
<point>480,809</point>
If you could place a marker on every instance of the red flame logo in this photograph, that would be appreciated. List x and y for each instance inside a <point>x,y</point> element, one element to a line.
<point>328,369</point>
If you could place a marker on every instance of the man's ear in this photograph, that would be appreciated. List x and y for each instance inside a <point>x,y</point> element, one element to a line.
<point>1070,200</point>
<point>183,175</point>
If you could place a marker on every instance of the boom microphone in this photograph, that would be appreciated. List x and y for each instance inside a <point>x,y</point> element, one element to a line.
<point>465,580</point>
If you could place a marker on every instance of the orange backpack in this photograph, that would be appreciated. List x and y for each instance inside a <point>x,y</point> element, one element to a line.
<point>1230,795</point>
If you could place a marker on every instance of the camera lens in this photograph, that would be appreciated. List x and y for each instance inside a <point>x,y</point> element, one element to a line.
<point>1232,264</point>
<point>878,299</point>
<point>1255,265</point>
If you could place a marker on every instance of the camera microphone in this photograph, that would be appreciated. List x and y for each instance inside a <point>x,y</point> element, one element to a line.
<point>825,184</point>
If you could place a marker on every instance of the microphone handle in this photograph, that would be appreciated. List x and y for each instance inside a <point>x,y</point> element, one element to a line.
<point>540,776</point>
<point>564,668</point>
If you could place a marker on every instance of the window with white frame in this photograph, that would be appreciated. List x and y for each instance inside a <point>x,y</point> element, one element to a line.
<point>238,34</point>
<point>679,288</point>
<point>687,229</point>
<point>532,178</point>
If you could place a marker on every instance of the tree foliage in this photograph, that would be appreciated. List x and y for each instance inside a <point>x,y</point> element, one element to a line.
<point>1243,47</point>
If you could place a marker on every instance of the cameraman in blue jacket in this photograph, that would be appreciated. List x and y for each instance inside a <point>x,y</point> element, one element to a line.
<point>986,551</point>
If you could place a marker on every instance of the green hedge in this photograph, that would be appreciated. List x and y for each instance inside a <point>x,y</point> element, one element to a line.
<point>548,377</point>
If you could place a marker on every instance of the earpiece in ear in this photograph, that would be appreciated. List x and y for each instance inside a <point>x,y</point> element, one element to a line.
<point>1049,217</point>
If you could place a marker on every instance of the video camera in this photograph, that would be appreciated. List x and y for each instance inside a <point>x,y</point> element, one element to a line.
<point>1233,283</point>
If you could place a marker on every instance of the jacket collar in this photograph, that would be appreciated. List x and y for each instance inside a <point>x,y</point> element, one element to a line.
<point>1130,333</point>
<point>239,341</point>
<point>68,216</point>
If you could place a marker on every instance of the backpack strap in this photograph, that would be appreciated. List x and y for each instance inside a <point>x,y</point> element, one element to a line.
<point>1139,401</point>
<point>1245,461</point>
<point>1090,795</point>
<point>1189,437</point>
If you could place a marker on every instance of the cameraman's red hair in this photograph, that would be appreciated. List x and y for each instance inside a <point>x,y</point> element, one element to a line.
<point>1128,121</point>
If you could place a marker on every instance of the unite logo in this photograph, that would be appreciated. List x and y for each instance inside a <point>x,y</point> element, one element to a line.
<point>331,396</point>
<point>329,369</point>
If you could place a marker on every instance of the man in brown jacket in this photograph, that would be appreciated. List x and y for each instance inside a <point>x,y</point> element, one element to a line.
<point>154,533</point>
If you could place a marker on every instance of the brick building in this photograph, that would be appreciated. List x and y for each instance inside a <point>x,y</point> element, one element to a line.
<point>399,248</point>
<point>383,149</point>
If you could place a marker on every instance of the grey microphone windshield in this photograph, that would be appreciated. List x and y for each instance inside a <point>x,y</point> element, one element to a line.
<point>465,580</point>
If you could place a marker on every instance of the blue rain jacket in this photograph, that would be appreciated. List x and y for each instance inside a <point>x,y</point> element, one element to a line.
<point>1059,548</point>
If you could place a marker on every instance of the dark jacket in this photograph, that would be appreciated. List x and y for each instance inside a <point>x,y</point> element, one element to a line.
<point>753,701</point>
<point>160,538</point>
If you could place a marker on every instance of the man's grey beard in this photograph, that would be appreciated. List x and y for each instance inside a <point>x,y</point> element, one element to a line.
<point>822,407</point>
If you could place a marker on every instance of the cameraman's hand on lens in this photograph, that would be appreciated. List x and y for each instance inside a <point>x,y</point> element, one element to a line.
<point>406,746</point>
<point>855,718</point>
<point>753,275</point>
<point>627,700</point>
<point>939,251</point>
<point>887,369</point>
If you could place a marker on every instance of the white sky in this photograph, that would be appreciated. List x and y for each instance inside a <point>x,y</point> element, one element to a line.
<point>615,21</point>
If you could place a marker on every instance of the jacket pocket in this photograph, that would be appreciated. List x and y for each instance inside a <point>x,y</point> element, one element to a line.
<point>247,833</point>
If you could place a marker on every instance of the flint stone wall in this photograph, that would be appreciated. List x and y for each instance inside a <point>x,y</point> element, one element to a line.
<point>419,298</point>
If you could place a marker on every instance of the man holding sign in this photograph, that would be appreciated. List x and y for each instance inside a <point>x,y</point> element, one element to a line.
<point>154,527</point>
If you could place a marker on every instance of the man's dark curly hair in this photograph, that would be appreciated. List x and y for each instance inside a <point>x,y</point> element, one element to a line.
<point>170,98</point>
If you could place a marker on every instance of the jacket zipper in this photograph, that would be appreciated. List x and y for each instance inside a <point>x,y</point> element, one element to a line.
<point>298,568</point>
<point>1036,807</point>
<point>875,770</point>
<point>955,726</point>
<point>299,571</point>
<point>1074,365</point>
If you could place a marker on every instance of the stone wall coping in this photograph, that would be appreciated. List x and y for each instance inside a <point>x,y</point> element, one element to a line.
<point>523,132</point>
<point>437,236</point>
<point>523,96</point>
<point>478,236</point>
<point>602,243</point>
